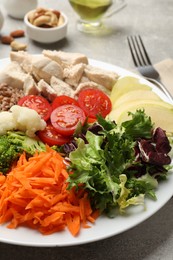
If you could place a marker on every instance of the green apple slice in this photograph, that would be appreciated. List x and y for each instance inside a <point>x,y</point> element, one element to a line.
<point>160,112</point>
<point>135,95</point>
<point>126,84</point>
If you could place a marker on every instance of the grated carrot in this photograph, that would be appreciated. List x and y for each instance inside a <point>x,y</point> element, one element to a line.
<point>35,194</point>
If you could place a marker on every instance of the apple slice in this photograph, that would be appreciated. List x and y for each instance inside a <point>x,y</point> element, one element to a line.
<point>161,113</point>
<point>126,84</point>
<point>135,95</point>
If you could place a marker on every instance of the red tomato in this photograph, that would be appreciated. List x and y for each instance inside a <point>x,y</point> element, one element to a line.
<point>94,102</point>
<point>37,103</point>
<point>50,136</point>
<point>65,119</point>
<point>63,100</point>
<point>91,120</point>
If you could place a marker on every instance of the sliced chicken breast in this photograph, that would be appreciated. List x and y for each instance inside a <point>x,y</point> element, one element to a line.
<point>66,59</point>
<point>45,68</point>
<point>73,74</point>
<point>90,84</point>
<point>30,86</point>
<point>13,75</point>
<point>100,76</point>
<point>46,90</point>
<point>61,88</point>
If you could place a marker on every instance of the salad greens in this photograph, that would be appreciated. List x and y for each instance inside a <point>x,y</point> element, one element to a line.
<point>115,163</point>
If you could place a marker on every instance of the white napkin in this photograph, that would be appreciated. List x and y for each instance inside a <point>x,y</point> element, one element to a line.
<point>165,69</point>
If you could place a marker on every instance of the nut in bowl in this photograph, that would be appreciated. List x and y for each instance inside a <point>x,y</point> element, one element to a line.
<point>46,25</point>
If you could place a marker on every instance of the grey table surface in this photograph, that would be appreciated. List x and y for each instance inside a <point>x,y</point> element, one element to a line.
<point>153,20</point>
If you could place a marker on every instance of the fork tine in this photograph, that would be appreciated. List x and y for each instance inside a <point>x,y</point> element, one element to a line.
<point>134,51</point>
<point>144,50</point>
<point>138,51</point>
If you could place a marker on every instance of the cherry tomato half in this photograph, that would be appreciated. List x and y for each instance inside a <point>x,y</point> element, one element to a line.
<point>66,118</point>
<point>63,100</point>
<point>94,102</point>
<point>37,103</point>
<point>50,136</point>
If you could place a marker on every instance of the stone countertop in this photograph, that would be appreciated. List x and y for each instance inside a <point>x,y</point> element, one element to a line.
<point>153,20</point>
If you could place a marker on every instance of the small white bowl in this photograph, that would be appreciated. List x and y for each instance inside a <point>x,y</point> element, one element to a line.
<point>46,35</point>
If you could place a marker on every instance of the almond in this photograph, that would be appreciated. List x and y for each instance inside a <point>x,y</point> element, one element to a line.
<point>17,34</point>
<point>7,39</point>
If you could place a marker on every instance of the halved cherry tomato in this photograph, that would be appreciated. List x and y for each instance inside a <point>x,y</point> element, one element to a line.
<point>91,120</point>
<point>94,102</point>
<point>66,118</point>
<point>50,136</point>
<point>37,103</point>
<point>63,100</point>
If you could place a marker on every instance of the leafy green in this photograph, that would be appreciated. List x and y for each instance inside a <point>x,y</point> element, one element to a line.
<point>105,163</point>
<point>139,126</point>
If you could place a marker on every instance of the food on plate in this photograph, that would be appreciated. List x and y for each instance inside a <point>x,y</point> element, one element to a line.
<point>13,75</point>
<point>45,90</point>
<point>45,68</point>
<point>21,118</point>
<point>73,74</point>
<point>37,103</point>
<point>66,118</point>
<point>66,59</point>
<point>51,137</point>
<point>129,94</point>
<point>65,74</point>
<point>73,152</point>
<point>135,95</point>
<point>119,164</point>
<point>94,102</point>
<point>24,60</point>
<point>160,112</point>
<point>9,96</point>
<point>13,144</point>
<point>61,87</point>
<point>45,18</point>
<point>63,100</point>
<point>35,195</point>
<point>105,167</point>
<point>98,75</point>
<point>125,85</point>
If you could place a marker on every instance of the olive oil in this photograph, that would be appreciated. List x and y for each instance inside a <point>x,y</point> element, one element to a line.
<point>90,9</point>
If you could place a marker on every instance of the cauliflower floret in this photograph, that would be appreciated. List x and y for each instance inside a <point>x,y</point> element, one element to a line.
<point>27,120</point>
<point>7,122</point>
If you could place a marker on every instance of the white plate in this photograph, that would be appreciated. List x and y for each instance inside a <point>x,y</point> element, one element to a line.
<point>104,227</point>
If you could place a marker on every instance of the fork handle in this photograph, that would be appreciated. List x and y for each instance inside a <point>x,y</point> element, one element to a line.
<point>162,87</point>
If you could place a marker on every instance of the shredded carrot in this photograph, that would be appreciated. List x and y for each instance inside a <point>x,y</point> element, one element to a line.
<point>35,194</point>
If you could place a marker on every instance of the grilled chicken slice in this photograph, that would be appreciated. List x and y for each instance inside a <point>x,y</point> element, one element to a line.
<point>100,76</point>
<point>46,90</point>
<point>73,74</point>
<point>45,68</point>
<point>13,75</point>
<point>61,88</point>
<point>30,86</point>
<point>66,59</point>
<point>24,59</point>
<point>90,84</point>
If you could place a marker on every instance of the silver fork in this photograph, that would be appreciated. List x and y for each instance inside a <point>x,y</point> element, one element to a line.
<point>143,63</point>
